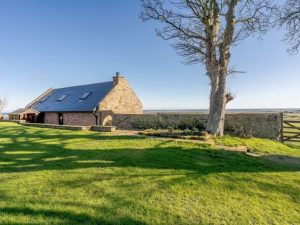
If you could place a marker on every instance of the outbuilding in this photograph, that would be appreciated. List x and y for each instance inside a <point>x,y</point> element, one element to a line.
<point>29,114</point>
<point>86,105</point>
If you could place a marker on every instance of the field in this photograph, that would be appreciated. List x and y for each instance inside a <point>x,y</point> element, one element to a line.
<point>79,177</point>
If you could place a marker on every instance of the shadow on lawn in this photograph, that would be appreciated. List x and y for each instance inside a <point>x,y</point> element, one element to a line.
<point>31,154</point>
<point>68,217</point>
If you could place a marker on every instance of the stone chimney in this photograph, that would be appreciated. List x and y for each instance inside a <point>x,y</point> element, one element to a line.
<point>117,78</point>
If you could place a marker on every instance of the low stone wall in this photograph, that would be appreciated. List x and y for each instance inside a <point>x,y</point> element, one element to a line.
<point>55,126</point>
<point>15,121</point>
<point>103,128</point>
<point>160,120</point>
<point>263,125</point>
<point>71,127</point>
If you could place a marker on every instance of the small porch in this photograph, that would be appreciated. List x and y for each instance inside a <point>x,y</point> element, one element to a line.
<point>31,116</point>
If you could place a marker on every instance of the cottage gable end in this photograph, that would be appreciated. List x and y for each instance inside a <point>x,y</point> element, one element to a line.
<point>121,99</point>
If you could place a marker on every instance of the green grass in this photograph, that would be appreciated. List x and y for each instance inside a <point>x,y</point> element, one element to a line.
<point>69,177</point>
<point>259,145</point>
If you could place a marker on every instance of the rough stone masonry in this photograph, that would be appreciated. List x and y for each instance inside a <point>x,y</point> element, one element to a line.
<point>263,125</point>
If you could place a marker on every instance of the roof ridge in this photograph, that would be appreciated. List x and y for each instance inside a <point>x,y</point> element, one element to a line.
<point>83,85</point>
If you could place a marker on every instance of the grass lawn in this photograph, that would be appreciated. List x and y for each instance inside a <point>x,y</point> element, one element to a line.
<point>259,145</point>
<point>79,177</point>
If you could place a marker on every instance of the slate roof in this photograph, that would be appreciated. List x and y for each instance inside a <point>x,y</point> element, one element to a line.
<point>17,112</point>
<point>72,102</point>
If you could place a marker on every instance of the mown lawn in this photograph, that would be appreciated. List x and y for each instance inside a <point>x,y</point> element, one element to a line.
<point>262,146</point>
<point>69,177</point>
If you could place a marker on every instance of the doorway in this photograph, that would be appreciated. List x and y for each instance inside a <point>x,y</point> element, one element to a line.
<point>40,118</point>
<point>60,119</point>
<point>30,118</point>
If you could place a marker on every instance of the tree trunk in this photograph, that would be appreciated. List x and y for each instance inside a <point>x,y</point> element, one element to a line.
<point>216,117</point>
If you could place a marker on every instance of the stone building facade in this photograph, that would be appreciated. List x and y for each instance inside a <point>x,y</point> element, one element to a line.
<point>121,99</point>
<point>77,119</point>
<point>87,105</point>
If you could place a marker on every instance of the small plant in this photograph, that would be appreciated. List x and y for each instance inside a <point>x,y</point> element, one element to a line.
<point>171,129</point>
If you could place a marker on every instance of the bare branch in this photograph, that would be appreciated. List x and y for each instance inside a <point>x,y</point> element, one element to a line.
<point>289,18</point>
<point>3,104</point>
<point>198,27</point>
<point>229,96</point>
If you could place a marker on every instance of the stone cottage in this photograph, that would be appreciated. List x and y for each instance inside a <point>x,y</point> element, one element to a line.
<point>85,105</point>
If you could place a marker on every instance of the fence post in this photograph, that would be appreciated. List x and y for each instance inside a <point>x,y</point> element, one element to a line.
<point>281,127</point>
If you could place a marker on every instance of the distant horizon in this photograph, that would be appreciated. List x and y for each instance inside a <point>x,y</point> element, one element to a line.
<point>202,110</point>
<point>207,108</point>
<point>228,110</point>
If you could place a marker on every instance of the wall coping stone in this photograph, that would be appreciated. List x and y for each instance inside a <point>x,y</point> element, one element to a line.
<point>103,128</point>
<point>72,127</point>
<point>56,126</point>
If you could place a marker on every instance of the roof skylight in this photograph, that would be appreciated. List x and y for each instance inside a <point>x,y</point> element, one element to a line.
<point>85,95</point>
<point>61,98</point>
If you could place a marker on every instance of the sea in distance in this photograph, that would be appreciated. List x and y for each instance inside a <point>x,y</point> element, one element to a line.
<point>278,110</point>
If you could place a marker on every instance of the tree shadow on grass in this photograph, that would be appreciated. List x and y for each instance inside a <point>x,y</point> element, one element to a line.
<point>66,217</point>
<point>194,162</point>
<point>32,156</point>
<point>34,153</point>
<point>47,133</point>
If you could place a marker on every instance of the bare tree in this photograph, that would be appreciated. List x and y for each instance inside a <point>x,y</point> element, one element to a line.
<point>289,18</point>
<point>204,32</point>
<point>3,104</point>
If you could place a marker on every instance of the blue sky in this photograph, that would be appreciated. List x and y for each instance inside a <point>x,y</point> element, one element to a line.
<point>61,43</point>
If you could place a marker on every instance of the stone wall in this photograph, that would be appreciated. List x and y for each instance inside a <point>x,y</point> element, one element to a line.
<point>51,118</point>
<point>263,125</point>
<point>55,126</point>
<point>160,120</point>
<point>121,99</point>
<point>80,118</point>
<point>14,117</point>
<point>71,127</point>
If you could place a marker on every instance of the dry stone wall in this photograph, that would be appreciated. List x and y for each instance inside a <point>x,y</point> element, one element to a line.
<point>263,125</point>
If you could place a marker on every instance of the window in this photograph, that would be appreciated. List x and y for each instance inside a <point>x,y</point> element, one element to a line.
<point>85,95</point>
<point>61,98</point>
